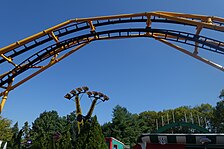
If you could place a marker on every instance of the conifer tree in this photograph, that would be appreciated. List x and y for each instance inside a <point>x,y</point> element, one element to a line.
<point>91,136</point>
<point>14,142</point>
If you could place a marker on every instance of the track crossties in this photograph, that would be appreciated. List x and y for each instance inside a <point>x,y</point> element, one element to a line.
<point>187,33</point>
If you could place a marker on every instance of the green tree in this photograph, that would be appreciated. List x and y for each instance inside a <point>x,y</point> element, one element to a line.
<point>50,131</point>
<point>15,128</point>
<point>26,130</point>
<point>72,126</point>
<point>205,112</point>
<point>221,96</point>
<point>120,121</point>
<point>65,139</point>
<point>124,126</point>
<point>106,128</point>
<point>91,136</point>
<point>218,117</point>
<point>199,115</point>
<point>5,129</point>
<point>147,121</point>
<point>14,142</point>
<point>25,138</point>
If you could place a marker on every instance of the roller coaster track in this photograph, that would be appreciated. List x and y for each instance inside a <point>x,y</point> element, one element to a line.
<point>38,52</point>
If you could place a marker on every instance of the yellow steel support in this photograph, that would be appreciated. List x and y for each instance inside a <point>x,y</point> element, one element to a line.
<point>45,67</point>
<point>192,55</point>
<point>5,96</point>
<point>91,26</point>
<point>78,113</point>
<point>90,112</point>
<point>199,28</point>
<point>184,18</point>
<point>54,37</point>
<point>199,21</point>
<point>110,17</point>
<point>8,59</point>
<point>148,22</point>
<point>35,36</point>
<point>187,21</point>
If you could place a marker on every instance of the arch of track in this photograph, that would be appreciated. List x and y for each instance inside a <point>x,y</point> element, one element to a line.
<point>60,41</point>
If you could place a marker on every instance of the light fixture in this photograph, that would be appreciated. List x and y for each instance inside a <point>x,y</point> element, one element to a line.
<point>68,96</point>
<point>100,94</point>
<point>94,93</point>
<point>79,89</point>
<point>85,88</point>
<point>89,94</point>
<point>73,92</point>
<point>105,97</point>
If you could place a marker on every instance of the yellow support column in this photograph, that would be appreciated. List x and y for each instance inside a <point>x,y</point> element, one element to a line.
<point>4,98</point>
<point>5,95</point>
<point>78,113</point>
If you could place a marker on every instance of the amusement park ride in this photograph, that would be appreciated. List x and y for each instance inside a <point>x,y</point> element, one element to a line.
<point>29,57</point>
<point>91,94</point>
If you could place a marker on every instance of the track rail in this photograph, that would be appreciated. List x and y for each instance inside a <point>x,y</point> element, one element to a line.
<point>44,49</point>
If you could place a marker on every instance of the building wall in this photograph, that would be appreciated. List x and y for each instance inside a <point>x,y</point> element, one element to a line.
<point>166,146</point>
<point>113,143</point>
<point>117,145</point>
<point>159,146</point>
<point>180,141</point>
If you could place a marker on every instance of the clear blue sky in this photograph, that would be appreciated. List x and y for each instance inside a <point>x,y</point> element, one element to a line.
<point>139,74</point>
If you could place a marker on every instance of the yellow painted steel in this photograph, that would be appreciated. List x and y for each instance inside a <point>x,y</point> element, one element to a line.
<point>183,18</point>
<point>54,37</point>
<point>5,95</point>
<point>199,28</point>
<point>79,113</point>
<point>199,21</point>
<point>8,59</point>
<point>193,55</point>
<point>35,36</point>
<point>90,112</point>
<point>80,118</point>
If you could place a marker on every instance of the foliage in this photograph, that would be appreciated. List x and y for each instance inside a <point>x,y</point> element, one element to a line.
<point>50,131</point>
<point>25,138</point>
<point>20,137</point>
<point>218,117</point>
<point>15,141</point>
<point>72,126</point>
<point>221,96</point>
<point>91,136</point>
<point>147,121</point>
<point>124,126</point>
<point>5,129</point>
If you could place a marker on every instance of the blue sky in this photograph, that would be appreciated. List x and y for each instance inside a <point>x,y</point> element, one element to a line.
<point>139,74</point>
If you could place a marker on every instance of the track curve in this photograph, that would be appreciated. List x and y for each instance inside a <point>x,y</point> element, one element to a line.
<point>44,54</point>
<point>67,37</point>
